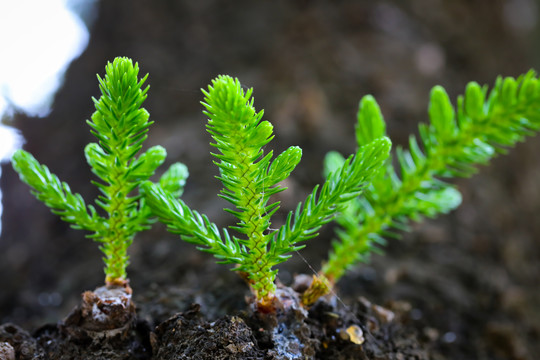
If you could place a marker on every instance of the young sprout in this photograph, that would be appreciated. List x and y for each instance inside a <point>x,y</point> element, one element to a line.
<point>120,124</point>
<point>454,144</point>
<point>250,177</point>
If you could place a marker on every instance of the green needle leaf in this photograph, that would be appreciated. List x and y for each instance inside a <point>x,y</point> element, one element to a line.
<point>455,142</point>
<point>120,124</point>
<point>249,178</point>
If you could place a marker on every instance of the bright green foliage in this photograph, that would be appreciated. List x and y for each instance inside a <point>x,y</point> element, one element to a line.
<point>454,144</point>
<point>120,124</point>
<point>373,125</point>
<point>174,179</point>
<point>250,177</point>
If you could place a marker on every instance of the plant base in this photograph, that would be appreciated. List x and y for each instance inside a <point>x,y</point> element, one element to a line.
<point>105,312</point>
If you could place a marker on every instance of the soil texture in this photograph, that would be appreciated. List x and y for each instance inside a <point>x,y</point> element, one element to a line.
<point>326,331</point>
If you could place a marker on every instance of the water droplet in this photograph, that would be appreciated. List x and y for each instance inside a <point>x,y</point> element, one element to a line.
<point>449,337</point>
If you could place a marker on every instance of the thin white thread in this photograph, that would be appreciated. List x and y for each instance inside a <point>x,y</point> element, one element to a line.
<point>331,290</point>
<point>347,309</point>
<point>345,306</point>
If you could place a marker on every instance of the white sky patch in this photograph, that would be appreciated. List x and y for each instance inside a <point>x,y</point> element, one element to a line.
<point>10,141</point>
<point>38,40</point>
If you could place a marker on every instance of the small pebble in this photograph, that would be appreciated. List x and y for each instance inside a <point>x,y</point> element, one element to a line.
<point>383,314</point>
<point>356,335</point>
<point>431,333</point>
<point>353,334</point>
<point>7,352</point>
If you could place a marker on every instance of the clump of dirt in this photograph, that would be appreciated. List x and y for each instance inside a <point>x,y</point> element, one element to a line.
<point>284,333</point>
<point>327,331</point>
<point>17,343</point>
<point>188,335</point>
<point>366,331</point>
<point>104,326</point>
<point>108,310</point>
<point>58,343</point>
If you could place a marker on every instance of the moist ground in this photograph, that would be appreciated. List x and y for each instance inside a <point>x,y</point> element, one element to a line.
<point>327,331</point>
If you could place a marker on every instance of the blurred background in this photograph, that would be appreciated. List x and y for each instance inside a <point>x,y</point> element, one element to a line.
<point>471,276</point>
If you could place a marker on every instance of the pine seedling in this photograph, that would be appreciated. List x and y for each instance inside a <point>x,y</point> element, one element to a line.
<point>250,177</point>
<point>120,124</point>
<point>452,145</point>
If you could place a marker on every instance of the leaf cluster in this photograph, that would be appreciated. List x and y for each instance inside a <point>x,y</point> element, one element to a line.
<point>250,177</point>
<point>120,124</point>
<point>370,194</point>
<point>453,144</point>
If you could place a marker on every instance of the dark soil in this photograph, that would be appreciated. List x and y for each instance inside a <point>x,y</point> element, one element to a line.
<point>326,331</point>
<point>462,287</point>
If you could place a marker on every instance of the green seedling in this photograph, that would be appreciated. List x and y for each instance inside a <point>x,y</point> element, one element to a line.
<point>120,124</point>
<point>250,177</point>
<point>453,144</point>
<point>364,193</point>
